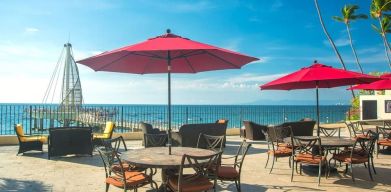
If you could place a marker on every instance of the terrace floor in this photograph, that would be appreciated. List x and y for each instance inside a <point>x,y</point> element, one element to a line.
<point>33,172</point>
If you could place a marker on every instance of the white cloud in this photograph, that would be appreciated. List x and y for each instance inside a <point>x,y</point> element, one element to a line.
<point>341,42</point>
<point>31,30</point>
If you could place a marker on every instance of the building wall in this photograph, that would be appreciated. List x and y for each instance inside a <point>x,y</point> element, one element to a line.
<point>381,114</point>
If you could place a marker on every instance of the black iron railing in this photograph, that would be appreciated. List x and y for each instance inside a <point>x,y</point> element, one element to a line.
<point>37,118</point>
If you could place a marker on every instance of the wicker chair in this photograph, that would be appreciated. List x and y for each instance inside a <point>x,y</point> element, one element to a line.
<point>187,136</point>
<point>118,175</point>
<point>276,146</point>
<point>304,153</point>
<point>253,131</point>
<point>200,179</point>
<point>361,153</point>
<point>232,171</point>
<point>28,142</point>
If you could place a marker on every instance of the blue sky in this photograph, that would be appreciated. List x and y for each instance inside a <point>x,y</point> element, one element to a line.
<point>285,35</point>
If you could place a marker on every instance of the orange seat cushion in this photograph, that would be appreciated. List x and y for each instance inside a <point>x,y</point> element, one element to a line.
<point>286,145</point>
<point>198,184</point>
<point>310,159</point>
<point>226,172</point>
<point>281,152</point>
<point>133,178</point>
<point>355,159</point>
<point>384,142</point>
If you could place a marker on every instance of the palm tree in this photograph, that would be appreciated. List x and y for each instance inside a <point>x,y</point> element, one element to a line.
<point>348,15</point>
<point>377,11</point>
<point>385,27</point>
<point>329,38</point>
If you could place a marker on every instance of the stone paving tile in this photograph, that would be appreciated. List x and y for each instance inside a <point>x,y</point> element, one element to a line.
<point>34,172</point>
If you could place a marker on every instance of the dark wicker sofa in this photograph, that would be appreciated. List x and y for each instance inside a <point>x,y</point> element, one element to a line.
<point>188,134</point>
<point>300,128</point>
<point>69,140</point>
<point>253,130</point>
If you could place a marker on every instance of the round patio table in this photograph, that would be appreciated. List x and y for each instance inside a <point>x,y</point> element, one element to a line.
<point>328,142</point>
<point>158,157</point>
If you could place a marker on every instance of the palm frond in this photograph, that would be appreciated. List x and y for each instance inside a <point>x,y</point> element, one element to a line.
<point>374,27</point>
<point>339,19</point>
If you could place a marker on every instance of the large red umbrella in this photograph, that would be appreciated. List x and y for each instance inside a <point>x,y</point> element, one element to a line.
<point>318,76</point>
<point>167,53</point>
<point>383,84</point>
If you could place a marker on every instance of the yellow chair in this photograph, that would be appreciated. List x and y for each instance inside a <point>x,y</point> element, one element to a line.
<point>107,133</point>
<point>29,142</point>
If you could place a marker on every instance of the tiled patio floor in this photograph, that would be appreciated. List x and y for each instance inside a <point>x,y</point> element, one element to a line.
<point>33,172</point>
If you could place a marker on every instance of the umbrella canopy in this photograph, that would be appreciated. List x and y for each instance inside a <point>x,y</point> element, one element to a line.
<point>383,84</point>
<point>318,76</point>
<point>167,53</point>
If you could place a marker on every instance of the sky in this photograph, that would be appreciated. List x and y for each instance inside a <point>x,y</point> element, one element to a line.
<point>284,34</point>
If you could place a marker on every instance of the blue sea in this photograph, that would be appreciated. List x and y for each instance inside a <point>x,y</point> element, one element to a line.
<point>127,117</point>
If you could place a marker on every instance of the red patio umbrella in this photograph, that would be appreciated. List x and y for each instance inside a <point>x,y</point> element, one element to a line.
<point>167,53</point>
<point>383,84</point>
<point>318,76</point>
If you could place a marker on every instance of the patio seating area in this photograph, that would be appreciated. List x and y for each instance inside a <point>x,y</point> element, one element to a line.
<point>34,172</point>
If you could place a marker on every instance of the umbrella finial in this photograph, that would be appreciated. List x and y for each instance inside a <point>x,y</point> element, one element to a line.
<point>168,31</point>
<point>315,61</point>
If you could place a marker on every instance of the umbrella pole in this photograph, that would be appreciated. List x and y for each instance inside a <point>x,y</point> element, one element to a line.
<point>169,101</point>
<point>317,108</point>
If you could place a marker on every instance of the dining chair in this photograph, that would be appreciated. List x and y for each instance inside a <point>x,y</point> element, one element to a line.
<point>276,146</point>
<point>232,171</point>
<point>361,153</point>
<point>119,176</point>
<point>197,178</point>
<point>155,140</point>
<point>211,142</point>
<point>330,132</point>
<point>385,141</point>
<point>355,129</point>
<point>308,151</point>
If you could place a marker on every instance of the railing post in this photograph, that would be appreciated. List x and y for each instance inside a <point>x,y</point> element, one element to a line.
<point>31,118</point>
<point>187,115</point>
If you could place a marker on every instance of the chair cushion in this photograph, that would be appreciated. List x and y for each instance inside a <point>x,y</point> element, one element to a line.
<point>385,142</point>
<point>198,184</point>
<point>356,158</point>
<point>19,130</point>
<point>109,127</point>
<point>101,136</point>
<point>133,178</point>
<point>281,152</point>
<point>226,172</point>
<point>310,159</point>
<point>286,145</point>
<point>42,139</point>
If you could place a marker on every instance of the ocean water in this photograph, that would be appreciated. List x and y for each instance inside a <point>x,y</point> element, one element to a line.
<point>127,117</point>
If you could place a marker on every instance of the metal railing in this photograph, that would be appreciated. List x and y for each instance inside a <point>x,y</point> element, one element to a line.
<point>37,118</point>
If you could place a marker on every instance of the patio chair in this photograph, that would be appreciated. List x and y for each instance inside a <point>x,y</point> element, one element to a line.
<point>28,142</point>
<point>214,143</point>
<point>120,177</point>
<point>329,132</point>
<point>355,130</point>
<point>98,138</point>
<point>253,130</point>
<point>361,153</point>
<point>232,171</point>
<point>276,147</point>
<point>199,179</point>
<point>147,128</point>
<point>385,141</point>
<point>224,122</point>
<point>308,151</point>
<point>155,140</point>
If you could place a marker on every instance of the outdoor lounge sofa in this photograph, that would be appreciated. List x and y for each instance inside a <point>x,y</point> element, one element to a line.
<point>301,128</point>
<point>28,142</point>
<point>69,140</point>
<point>188,134</point>
<point>148,129</point>
<point>253,131</point>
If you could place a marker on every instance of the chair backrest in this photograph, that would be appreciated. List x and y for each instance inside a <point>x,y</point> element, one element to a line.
<point>254,131</point>
<point>155,140</point>
<point>200,167</point>
<point>384,131</point>
<point>115,144</point>
<point>364,146</point>
<point>354,128</point>
<point>328,132</point>
<point>146,128</point>
<point>109,158</point>
<point>214,143</point>
<point>109,129</point>
<point>19,130</point>
<point>275,135</point>
<point>240,155</point>
<point>307,145</point>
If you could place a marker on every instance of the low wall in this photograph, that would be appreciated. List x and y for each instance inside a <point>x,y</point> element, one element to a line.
<point>13,140</point>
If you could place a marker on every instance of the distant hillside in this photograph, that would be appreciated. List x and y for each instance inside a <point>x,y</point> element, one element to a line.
<point>298,102</point>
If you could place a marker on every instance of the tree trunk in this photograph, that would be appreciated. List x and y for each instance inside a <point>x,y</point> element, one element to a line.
<point>385,42</point>
<point>353,49</point>
<point>329,38</point>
